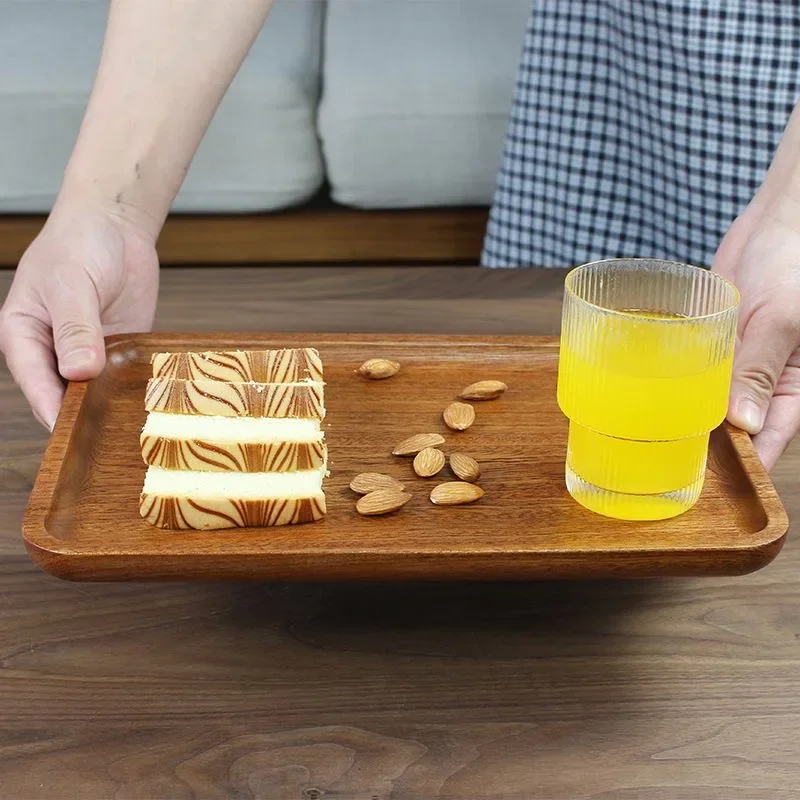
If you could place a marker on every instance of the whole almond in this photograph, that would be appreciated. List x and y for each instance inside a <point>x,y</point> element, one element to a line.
<point>378,369</point>
<point>465,467</point>
<point>429,462</point>
<point>483,390</point>
<point>381,501</point>
<point>367,482</point>
<point>456,493</point>
<point>412,445</point>
<point>459,416</point>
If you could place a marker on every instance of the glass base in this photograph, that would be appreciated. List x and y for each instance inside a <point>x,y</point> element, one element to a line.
<point>620,505</point>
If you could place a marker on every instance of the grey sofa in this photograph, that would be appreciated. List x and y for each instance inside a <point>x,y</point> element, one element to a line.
<point>385,104</point>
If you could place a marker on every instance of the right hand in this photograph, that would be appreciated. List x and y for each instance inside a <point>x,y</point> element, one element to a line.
<point>87,275</point>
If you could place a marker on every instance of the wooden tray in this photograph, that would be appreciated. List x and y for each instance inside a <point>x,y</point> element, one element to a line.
<point>82,521</point>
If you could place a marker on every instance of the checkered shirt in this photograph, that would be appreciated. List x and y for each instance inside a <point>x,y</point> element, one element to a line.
<point>640,127</point>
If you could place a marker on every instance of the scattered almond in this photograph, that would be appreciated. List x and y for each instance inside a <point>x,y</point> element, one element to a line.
<point>367,482</point>
<point>378,369</point>
<point>381,501</point>
<point>483,390</point>
<point>412,445</point>
<point>465,467</point>
<point>459,416</point>
<point>456,493</point>
<point>429,462</point>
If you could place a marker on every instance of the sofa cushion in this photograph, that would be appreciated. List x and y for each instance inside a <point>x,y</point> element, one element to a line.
<point>261,151</point>
<point>416,98</point>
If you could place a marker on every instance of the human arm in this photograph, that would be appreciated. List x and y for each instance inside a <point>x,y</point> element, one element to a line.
<point>93,269</point>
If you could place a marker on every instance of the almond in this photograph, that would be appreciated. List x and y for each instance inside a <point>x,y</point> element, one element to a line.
<point>458,416</point>
<point>378,369</point>
<point>456,493</point>
<point>412,445</point>
<point>429,462</point>
<point>381,501</point>
<point>465,467</point>
<point>483,390</point>
<point>367,482</point>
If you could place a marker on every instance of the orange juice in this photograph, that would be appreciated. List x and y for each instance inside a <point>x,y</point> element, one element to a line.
<point>642,391</point>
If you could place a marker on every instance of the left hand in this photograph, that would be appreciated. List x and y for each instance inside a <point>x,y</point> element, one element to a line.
<point>761,255</point>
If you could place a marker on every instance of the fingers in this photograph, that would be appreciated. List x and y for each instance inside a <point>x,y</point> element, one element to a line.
<point>36,352</point>
<point>780,427</point>
<point>77,332</point>
<point>28,349</point>
<point>767,344</point>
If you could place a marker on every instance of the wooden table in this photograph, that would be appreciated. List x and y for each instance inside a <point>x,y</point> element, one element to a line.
<point>670,690</point>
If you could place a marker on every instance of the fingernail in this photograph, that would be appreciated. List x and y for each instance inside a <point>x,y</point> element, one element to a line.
<point>77,359</point>
<point>751,416</point>
<point>44,421</point>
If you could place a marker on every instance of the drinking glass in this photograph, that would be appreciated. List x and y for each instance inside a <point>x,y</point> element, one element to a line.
<point>644,375</point>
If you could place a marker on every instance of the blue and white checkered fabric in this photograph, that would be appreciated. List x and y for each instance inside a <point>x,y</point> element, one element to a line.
<point>641,127</point>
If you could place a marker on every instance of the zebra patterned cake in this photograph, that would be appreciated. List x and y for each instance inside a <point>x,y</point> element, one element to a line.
<point>234,439</point>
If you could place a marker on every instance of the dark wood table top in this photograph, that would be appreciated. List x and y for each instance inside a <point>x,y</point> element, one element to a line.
<point>639,690</point>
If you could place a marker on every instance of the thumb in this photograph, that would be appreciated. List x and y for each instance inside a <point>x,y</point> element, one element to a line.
<point>767,343</point>
<point>78,332</point>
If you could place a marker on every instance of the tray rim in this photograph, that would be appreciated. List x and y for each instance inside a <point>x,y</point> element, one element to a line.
<point>53,554</point>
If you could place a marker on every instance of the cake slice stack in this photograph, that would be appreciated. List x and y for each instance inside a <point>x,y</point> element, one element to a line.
<point>234,439</point>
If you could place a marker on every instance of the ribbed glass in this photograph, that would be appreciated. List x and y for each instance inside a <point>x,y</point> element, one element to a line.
<point>644,375</point>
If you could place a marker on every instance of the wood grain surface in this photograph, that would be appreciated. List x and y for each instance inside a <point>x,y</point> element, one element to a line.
<point>83,520</point>
<point>681,689</point>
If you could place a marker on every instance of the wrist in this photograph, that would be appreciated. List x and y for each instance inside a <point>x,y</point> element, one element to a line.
<point>779,202</point>
<point>76,201</point>
<point>116,200</point>
<point>779,193</point>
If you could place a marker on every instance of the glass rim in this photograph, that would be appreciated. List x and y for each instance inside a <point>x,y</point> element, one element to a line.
<point>732,306</point>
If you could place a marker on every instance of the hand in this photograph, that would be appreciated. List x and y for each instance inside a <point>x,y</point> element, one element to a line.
<point>86,275</point>
<point>761,255</point>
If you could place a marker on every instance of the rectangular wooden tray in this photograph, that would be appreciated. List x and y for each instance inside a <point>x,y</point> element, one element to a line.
<point>83,522</point>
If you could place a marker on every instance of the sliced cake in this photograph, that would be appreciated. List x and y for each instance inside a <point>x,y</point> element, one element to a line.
<point>241,366</point>
<point>243,444</point>
<point>210,500</point>
<point>219,398</point>
<point>234,439</point>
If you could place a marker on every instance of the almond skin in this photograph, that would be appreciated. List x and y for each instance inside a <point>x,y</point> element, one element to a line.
<point>429,462</point>
<point>378,369</point>
<point>459,416</point>
<point>412,445</point>
<point>456,493</point>
<point>367,482</point>
<point>381,501</point>
<point>483,390</point>
<point>465,467</point>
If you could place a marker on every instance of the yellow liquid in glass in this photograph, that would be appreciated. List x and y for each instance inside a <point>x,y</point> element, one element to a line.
<point>640,415</point>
